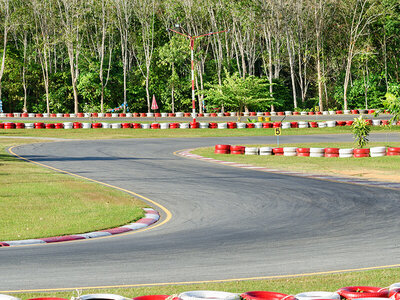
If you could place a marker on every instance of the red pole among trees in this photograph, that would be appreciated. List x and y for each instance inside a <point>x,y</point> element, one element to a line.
<point>192,39</point>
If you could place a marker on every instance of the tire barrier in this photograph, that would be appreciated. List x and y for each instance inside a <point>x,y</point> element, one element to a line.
<point>150,217</point>
<point>101,296</point>
<point>309,152</point>
<point>212,125</point>
<point>152,297</point>
<point>356,292</point>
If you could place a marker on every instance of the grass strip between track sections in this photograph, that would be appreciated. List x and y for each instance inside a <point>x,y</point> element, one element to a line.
<point>176,133</point>
<point>37,202</point>
<point>385,168</point>
<point>288,285</point>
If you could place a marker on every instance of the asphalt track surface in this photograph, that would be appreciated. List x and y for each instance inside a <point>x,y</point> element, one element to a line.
<point>226,222</point>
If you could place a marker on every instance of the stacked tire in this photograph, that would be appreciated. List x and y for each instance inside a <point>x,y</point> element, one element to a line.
<point>392,151</point>
<point>331,152</point>
<point>222,149</point>
<point>317,152</point>
<point>303,151</point>
<point>251,151</point>
<point>289,151</point>
<point>237,149</point>
<point>346,153</point>
<point>361,152</point>
<point>378,151</point>
<point>265,151</point>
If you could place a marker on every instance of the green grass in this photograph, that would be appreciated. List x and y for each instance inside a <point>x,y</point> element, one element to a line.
<point>37,202</point>
<point>289,285</point>
<point>174,133</point>
<point>380,168</point>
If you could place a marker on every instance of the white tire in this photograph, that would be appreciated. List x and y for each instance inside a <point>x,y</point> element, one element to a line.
<point>303,126</point>
<point>325,112</point>
<point>46,115</point>
<point>7,297</point>
<point>86,125</point>
<point>220,114</point>
<point>164,125</point>
<point>332,112</point>
<point>259,114</point>
<point>346,112</point>
<point>87,115</point>
<point>322,124</point>
<point>179,114</point>
<point>222,125</point>
<point>378,150</point>
<point>288,113</point>
<point>100,115</point>
<point>146,126</point>
<point>251,151</point>
<point>317,295</point>
<point>345,155</point>
<point>72,115</point>
<point>266,149</point>
<point>184,125</point>
<point>17,115</point>
<point>115,125</point>
<point>59,115</point>
<point>303,113</point>
<point>346,151</point>
<point>103,125</point>
<point>258,125</point>
<point>215,295</point>
<point>29,125</point>
<point>101,296</point>
<point>302,123</point>
<point>3,115</point>
<point>164,115</point>
<point>314,154</point>
<point>29,115</point>
<point>378,154</point>
<point>206,115</point>
<point>150,115</point>
<point>285,125</point>
<point>289,149</point>
<point>241,125</point>
<point>376,122</point>
<point>331,123</point>
<point>273,113</point>
<point>317,150</point>
<point>289,154</point>
<point>265,153</point>
<point>203,125</point>
<point>394,286</point>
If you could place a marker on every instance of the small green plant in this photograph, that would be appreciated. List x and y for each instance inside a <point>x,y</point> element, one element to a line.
<point>361,129</point>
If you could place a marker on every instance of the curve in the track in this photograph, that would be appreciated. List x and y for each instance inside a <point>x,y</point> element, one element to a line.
<point>227,223</point>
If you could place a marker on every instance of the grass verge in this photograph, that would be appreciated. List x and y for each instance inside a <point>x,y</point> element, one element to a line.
<point>36,202</point>
<point>378,168</point>
<point>175,133</point>
<point>292,286</point>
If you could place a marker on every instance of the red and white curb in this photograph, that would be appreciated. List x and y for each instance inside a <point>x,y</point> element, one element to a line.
<point>390,185</point>
<point>151,216</point>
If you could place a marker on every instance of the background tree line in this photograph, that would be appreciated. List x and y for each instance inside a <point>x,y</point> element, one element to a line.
<point>91,55</point>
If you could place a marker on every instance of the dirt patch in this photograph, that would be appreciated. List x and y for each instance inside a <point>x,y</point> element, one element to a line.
<point>371,174</point>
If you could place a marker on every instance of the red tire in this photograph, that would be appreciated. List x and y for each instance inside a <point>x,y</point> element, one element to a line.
<point>354,111</point>
<point>39,125</point>
<point>267,125</point>
<point>122,115</point>
<point>97,125</point>
<point>361,155</point>
<point>349,123</point>
<point>123,125</point>
<point>354,292</point>
<point>66,115</point>
<point>223,147</point>
<point>331,154</point>
<point>50,126</point>
<point>361,151</point>
<point>339,112</point>
<point>77,125</point>
<point>277,151</point>
<point>393,153</point>
<point>276,124</point>
<point>194,125</point>
<point>303,154</point>
<point>267,113</point>
<point>20,125</point>
<point>232,125</point>
<point>280,113</point>
<point>237,152</point>
<point>393,149</point>
<point>250,125</point>
<point>24,115</point>
<point>59,125</point>
<point>9,125</point>
<point>171,115</point>
<point>221,151</point>
<point>155,126</point>
<point>39,116</point>
<point>186,115</point>
<point>311,113</point>
<point>136,125</point>
<point>313,124</point>
<point>80,115</point>
<point>135,115</point>
<point>238,148</point>
<point>341,123</point>
<point>213,115</point>
<point>143,115</point>
<point>303,150</point>
<point>331,150</point>
<point>213,125</point>
<point>262,295</point>
<point>296,113</point>
<point>294,124</point>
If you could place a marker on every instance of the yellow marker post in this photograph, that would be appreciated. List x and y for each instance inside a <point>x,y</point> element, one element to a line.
<point>278,132</point>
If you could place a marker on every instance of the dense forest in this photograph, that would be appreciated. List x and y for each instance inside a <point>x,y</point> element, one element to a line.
<point>93,55</point>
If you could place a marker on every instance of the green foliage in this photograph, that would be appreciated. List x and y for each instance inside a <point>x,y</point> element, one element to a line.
<point>392,104</point>
<point>361,129</point>
<point>237,93</point>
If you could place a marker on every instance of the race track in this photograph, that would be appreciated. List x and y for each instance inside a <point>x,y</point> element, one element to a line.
<point>226,222</point>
